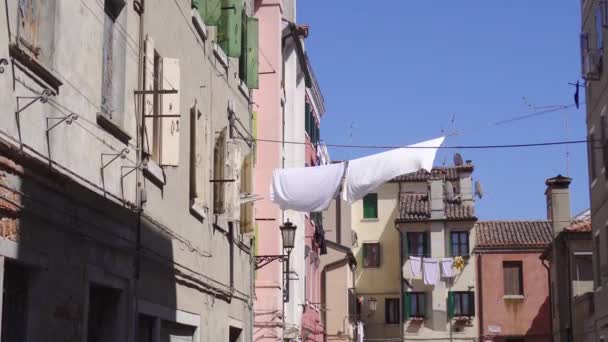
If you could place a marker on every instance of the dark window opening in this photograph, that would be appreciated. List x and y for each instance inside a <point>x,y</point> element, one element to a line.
<point>102,320</point>
<point>371,255</point>
<point>418,244</point>
<point>459,243</point>
<point>463,304</point>
<point>14,302</point>
<point>391,310</point>
<point>414,305</point>
<point>235,334</point>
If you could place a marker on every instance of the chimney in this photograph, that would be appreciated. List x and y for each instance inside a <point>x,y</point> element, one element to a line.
<point>558,202</point>
<point>436,197</point>
<point>465,179</point>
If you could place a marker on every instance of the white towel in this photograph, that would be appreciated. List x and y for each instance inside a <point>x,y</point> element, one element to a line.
<point>306,189</point>
<point>415,263</point>
<point>446,267</point>
<point>368,173</point>
<point>431,270</point>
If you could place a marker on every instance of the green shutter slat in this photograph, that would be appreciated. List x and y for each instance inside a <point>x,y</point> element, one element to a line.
<point>196,4</point>
<point>210,11</point>
<point>450,244</point>
<point>230,26</point>
<point>252,42</point>
<point>450,305</point>
<point>472,302</point>
<point>406,306</point>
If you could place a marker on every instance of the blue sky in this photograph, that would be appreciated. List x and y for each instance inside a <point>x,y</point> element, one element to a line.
<point>397,70</point>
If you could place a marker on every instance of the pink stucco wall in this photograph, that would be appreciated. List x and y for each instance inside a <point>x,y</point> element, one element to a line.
<point>530,316</point>
<point>268,306</point>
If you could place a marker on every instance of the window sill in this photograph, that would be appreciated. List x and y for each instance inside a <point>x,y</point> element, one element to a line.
<point>199,25</point>
<point>198,209</point>
<point>244,90</point>
<point>113,128</point>
<point>370,220</point>
<point>40,71</point>
<point>513,297</point>
<point>155,172</point>
<point>220,55</point>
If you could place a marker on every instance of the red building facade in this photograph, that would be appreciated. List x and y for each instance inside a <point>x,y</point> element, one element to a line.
<point>512,281</point>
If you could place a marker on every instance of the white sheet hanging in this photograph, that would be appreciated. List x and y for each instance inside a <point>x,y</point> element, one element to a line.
<point>431,270</point>
<point>366,174</point>
<point>415,265</point>
<point>306,189</point>
<point>446,267</point>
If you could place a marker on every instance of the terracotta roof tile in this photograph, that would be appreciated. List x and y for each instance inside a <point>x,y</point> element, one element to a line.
<point>513,234</point>
<point>416,207</point>
<point>450,174</point>
<point>579,226</point>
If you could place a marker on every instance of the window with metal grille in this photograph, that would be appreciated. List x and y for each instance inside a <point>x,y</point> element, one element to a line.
<point>370,206</point>
<point>391,310</point>
<point>459,243</point>
<point>371,255</point>
<point>513,278</point>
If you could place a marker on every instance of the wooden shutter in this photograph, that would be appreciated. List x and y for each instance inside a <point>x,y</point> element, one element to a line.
<point>253,47</point>
<point>170,125</point>
<point>233,188</point>
<point>210,11</point>
<point>512,273</point>
<point>219,172</point>
<point>193,152</point>
<point>246,219</point>
<point>450,304</point>
<point>148,134</point>
<point>29,23</point>
<point>229,28</point>
<point>471,299</point>
<point>406,306</point>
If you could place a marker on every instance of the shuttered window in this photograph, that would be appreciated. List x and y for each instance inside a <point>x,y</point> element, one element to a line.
<point>371,255</point>
<point>219,172</point>
<point>461,304</point>
<point>513,278</point>
<point>591,146</point>
<point>370,206</point>
<point>391,310</point>
<point>229,27</point>
<point>209,10</point>
<point>417,244</point>
<point>459,243</point>
<point>248,62</point>
<point>604,144</point>
<point>414,305</point>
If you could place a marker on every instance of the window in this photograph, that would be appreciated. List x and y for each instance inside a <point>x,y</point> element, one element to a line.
<point>391,310</point>
<point>515,339</point>
<point>102,323</point>
<point>461,304</point>
<point>161,110</point>
<point>370,206</point>
<point>371,255</point>
<point>145,328</point>
<point>113,66</point>
<point>513,278</point>
<point>248,63</point>
<point>599,27</point>
<point>14,302</point>
<point>597,262</point>
<point>219,172</point>
<point>459,243</point>
<point>417,244</point>
<point>414,305</point>
<point>235,334</point>
<point>171,331</point>
<point>592,166</point>
<point>582,274</point>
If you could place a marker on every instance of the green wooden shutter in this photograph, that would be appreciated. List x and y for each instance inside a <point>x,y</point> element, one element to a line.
<point>370,206</point>
<point>307,117</point>
<point>450,244</point>
<point>252,42</point>
<point>450,305</point>
<point>230,26</point>
<point>405,244</point>
<point>472,302</point>
<point>210,10</point>
<point>406,306</point>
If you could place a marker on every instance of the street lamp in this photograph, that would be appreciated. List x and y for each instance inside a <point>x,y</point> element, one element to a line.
<point>288,234</point>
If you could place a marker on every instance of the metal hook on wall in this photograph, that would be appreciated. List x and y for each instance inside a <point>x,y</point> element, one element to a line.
<point>122,155</point>
<point>43,98</point>
<point>3,61</point>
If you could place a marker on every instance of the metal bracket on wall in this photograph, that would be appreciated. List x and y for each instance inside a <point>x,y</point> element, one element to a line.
<point>263,260</point>
<point>43,98</point>
<point>141,166</point>
<point>68,119</point>
<point>122,155</point>
<point>3,61</point>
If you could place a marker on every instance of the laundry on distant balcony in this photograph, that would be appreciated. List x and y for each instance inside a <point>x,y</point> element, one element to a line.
<point>431,269</point>
<point>446,267</point>
<point>415,266</point>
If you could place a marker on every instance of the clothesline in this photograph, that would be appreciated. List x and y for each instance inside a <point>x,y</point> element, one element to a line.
<point>429,268</point>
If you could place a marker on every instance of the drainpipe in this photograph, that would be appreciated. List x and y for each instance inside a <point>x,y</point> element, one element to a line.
<point>401,322</point>
<point>480,294</point>
<point>550,292</point>
<point>571,328</point>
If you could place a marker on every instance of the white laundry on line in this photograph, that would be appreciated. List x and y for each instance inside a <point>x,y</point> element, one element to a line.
<point>415,265</point>
<point>368,173</point>
<point>431,270</point>
<point>306,189</point>
<point>446,267</point>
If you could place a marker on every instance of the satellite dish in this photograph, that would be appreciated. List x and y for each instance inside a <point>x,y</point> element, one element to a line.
<point>448,189</point>
<point>458,159</point>
<point>478,189</point>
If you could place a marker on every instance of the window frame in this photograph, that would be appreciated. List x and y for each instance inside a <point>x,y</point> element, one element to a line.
<point>421,311</point>
<point>426,248</point>
<point>364,254</point>
<point>518,264</point>
<point>459,243</point>
<point>366,202</point>
<point>395,308</point>
<point>470,296</point>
